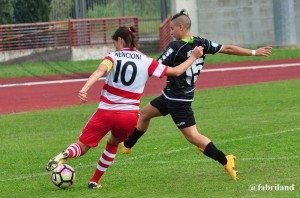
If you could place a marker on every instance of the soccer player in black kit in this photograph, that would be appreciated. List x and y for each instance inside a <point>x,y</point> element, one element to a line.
<point>177,96</point>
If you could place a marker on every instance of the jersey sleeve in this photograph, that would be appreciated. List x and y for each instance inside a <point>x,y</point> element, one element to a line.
<point>211,47</point>
<point>157,69</point>
<point>108,61</point>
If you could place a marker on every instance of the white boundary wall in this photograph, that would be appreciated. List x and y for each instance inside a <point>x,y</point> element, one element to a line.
<point>238,22</point>
<point>91,53</point>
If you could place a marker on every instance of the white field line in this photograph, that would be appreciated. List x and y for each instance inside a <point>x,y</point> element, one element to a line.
<point>46,82</point>
<point>252,67</point>
<point>204,70</point>
<point>219,142</point>
<point>129,159</point>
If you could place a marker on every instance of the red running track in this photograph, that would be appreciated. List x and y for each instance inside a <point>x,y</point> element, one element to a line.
<point>46,96</point>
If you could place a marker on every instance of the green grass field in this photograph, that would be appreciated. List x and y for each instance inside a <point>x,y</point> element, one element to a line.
<point>258,123</point>
<point>88,66</point>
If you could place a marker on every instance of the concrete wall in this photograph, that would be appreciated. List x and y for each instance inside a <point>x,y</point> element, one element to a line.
<point>239,22</point>
<point>96,52</point>
<point>55,54</point>
<point>192,7</point>
<point>27,56</point>
<point>297,20</point>
<point>91,53</point>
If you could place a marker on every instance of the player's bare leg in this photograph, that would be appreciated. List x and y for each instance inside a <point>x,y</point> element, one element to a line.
<point>194,137</point>
<point>205,145</point>
<point>74,150</point>
<point>146,114</point>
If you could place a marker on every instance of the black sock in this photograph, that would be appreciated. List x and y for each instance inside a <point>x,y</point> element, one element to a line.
<point>135,136</point>
<point>214,153</point>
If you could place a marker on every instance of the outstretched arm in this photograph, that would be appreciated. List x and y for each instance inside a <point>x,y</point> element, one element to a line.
<point>235,50</point>
<point>100,71</point>
<point>180,69</point>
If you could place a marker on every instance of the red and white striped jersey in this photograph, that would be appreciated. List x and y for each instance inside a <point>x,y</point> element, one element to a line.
<point>126,79</point>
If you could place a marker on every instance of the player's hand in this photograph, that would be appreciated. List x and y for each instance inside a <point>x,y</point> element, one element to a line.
<point>82,95</point>
<point>263,51</point>
<point>198,51</point>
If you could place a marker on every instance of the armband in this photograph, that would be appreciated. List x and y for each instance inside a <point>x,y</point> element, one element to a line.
<point>108,63</point>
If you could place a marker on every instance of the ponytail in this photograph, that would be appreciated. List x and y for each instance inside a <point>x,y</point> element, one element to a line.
<point>128,34</point>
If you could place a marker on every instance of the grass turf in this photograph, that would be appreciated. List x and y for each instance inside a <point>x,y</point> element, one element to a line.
<point>258,123</point>
<point>70,67</point>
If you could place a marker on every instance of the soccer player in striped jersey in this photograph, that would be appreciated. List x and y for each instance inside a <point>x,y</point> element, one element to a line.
<point>178,94</point>
<point>127,72</point>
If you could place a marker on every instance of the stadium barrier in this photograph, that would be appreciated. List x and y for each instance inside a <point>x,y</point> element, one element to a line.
<point>164,34</point>
<point>77,39</point>
<point>71,33</point>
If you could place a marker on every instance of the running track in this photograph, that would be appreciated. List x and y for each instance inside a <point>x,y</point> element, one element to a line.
<point>27,94</point>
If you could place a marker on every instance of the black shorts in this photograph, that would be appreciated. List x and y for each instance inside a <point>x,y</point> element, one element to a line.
<point>180,111</point>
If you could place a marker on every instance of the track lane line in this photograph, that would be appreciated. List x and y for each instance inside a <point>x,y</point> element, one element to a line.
<point>204,70</point>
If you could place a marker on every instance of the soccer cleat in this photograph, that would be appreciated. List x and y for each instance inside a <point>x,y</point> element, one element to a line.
<point>230,167</point>
<point>57,160</point>
<point>125,150</point>
<point>94,185</point>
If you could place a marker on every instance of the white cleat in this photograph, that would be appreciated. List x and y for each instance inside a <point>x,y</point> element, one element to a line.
<point>57,160</point>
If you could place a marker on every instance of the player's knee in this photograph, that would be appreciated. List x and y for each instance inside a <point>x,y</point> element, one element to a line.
<point>144,115</point>
<point>190,138</point>
<point>149,112</point>
<point>191,135</point>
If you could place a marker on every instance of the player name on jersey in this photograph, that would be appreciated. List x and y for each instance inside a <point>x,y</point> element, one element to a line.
<point>128,55</point>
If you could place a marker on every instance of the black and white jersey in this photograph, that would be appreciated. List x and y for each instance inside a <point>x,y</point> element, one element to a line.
<point>182,88</point>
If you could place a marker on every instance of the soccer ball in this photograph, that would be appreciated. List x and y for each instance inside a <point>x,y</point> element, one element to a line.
<point>63,176</point>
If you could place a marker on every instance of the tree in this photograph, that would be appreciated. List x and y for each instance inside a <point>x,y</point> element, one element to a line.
<point>29,11</point>
<point>6,12</point>
<point>61,10</point>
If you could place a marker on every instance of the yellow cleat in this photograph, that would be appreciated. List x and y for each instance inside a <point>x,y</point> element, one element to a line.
<point>125,150</point>
<point>230,167</point>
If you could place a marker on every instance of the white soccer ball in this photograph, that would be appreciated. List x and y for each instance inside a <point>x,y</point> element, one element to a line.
<point>63,176</point>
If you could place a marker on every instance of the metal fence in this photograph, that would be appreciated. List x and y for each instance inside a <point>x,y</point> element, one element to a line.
<point>165,34</point>
<point>71,33</point>
<point>34,35</point>
<point>150,13</point>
